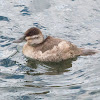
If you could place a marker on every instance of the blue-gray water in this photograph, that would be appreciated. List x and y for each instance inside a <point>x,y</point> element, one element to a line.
<point>77,21</point>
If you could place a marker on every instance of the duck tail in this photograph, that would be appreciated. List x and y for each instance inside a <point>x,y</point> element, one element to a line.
<point>86,52</point>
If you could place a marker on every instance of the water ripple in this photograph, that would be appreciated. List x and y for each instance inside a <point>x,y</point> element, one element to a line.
<point>3,18</point>
<point>25,11</point>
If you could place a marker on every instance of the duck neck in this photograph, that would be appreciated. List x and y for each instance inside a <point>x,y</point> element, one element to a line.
<point>44,39</point>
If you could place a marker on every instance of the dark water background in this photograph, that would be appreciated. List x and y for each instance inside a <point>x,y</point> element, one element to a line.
<point>77,21</point>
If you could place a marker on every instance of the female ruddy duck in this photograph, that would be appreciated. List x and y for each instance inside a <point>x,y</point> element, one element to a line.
<point>49,49</point>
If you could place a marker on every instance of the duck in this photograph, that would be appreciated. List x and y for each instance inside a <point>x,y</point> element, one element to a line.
<point>49,49</point>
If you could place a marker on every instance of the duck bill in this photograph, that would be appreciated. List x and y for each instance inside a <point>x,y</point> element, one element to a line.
<point>19,40</point>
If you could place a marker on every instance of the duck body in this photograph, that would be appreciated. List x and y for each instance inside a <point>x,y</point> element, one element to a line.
<point>50,49</point>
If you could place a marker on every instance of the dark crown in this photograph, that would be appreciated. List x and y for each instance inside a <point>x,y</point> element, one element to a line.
<point>32,31</point>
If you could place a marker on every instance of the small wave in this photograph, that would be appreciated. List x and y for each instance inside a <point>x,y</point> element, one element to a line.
<point>3,18</point>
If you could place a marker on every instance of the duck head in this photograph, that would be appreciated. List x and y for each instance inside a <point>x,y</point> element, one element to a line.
<point>33,36</point>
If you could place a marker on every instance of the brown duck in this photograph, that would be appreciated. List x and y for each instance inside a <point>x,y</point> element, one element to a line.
<point>50,49</point>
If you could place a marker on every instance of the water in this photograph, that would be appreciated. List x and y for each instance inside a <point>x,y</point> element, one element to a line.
<point>77,21</point>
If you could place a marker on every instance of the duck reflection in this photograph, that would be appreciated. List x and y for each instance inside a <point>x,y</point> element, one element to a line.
<point>50,68</point>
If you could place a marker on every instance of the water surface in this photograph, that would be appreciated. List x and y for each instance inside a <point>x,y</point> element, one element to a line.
<point>77,21</point>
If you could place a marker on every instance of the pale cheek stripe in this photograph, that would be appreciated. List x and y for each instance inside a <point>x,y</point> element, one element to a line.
<point>32,37</point>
